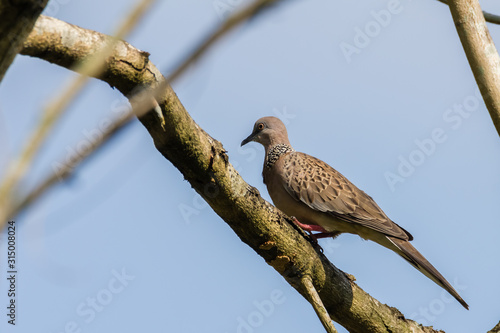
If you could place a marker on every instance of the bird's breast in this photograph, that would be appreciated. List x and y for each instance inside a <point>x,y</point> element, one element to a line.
<point>283,200</point>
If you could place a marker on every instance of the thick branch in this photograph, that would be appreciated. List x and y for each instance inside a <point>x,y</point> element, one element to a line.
<point>481,52</point>
<point>17,18</point>
<point>203,162</point>
<point>312,296</point>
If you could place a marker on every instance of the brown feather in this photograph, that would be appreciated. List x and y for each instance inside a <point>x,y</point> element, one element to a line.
<point>323,188</point>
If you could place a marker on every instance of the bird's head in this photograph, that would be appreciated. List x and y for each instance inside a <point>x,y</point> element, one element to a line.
<point>268,131</point>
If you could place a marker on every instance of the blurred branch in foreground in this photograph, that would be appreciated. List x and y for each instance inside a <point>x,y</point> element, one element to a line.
<point>92,65</point>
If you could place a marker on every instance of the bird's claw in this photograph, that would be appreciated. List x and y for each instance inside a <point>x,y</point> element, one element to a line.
<point>305,228</point>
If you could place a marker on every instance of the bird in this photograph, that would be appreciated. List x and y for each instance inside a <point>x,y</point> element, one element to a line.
<point>319,198</point>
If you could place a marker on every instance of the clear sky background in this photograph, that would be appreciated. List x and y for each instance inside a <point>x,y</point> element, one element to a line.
<point>404,104</point>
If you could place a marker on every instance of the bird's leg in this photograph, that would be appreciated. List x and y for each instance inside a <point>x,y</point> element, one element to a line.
<point>323,233</point>
<point>308,227</point>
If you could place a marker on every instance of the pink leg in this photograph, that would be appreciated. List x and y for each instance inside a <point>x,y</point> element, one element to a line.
<point>308,227</point>
<point>323,233</point>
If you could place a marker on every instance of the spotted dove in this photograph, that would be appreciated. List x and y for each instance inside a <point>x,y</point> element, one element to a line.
<point>321,199</point>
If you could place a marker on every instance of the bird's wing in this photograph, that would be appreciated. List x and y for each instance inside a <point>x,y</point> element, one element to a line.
<point>321,187</point>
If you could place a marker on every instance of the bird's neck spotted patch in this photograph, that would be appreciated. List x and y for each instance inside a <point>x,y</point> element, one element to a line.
<point>276,152</point>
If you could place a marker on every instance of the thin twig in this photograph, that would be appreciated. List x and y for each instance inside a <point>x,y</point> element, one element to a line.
<point>492,18</point>
<point>233,21</point>
<point>141,108</point>
<point>313,298</point>
<point>65,170</point>
<point>481,52</point>
<point>88,67</point>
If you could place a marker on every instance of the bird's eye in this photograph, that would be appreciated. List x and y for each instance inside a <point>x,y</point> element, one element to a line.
<point>260,126</point>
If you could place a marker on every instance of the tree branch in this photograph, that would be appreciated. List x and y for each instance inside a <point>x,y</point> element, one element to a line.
<point>93,65</point>
<point>481,52</point>
<point>234,20</point>
<point>17,18</point>
<point>204,163</point>
<point>492,18</point>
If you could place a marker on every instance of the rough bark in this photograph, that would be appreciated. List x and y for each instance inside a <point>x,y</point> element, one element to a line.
<point>204,163</point>
<point>481,52</point>
<point>17,18</point>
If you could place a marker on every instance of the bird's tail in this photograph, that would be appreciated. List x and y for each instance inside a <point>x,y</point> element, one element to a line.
<point>408,252</point>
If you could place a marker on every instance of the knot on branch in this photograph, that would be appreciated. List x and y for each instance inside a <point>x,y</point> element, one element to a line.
<point>282,264</point>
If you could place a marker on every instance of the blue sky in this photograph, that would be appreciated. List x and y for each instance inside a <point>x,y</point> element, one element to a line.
<point>127,245</point>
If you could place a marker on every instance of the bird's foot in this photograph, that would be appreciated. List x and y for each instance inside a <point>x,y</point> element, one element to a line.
<point>309,228</point>
<point>314,243</point>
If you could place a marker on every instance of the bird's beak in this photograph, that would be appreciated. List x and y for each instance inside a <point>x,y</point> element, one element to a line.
<point>247,140</point>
